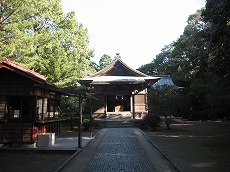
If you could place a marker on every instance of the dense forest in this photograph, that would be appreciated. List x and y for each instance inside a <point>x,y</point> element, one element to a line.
<point>199,61</point>
<point>38,35</point>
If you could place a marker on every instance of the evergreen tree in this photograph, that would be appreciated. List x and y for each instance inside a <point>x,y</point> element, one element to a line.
<point>104,61</point>
<point>198,60</point>
<point>38,35</point>
<point>217,16</point>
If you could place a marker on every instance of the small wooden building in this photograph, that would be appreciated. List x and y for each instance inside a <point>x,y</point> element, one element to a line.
<point>121,91</point>
<point>29,105</point>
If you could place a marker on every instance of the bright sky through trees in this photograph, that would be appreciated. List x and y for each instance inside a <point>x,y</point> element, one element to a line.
<point>137,29</point>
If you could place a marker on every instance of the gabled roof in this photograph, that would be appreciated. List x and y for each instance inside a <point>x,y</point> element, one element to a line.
<point>119,73</point>
<point>118,68</point>
<point>39,80</point>
<point>7,64</point>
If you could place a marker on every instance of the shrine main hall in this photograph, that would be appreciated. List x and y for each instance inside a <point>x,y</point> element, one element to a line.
<point>120,91</point>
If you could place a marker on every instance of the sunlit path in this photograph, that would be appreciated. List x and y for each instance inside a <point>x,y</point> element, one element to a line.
<point>120,151</point>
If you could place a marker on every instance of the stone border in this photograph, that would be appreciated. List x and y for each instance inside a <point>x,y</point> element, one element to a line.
<point>162,153</point>
<point>75,154</point>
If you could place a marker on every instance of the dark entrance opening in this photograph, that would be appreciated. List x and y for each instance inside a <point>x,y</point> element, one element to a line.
<point>118,103</point>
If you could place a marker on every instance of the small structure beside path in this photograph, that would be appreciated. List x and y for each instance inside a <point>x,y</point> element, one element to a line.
<point>29,104</point>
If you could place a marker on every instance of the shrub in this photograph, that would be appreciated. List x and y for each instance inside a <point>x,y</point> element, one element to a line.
<point>86,124</point>
<point>151,121</point>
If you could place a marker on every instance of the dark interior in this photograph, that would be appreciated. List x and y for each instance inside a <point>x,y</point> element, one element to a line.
<point>118,103</point>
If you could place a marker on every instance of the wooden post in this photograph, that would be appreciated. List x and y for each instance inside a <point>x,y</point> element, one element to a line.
<point>133,105</point>
<point>105,105</point>
<point>80,123</point>
<point>91,118</point>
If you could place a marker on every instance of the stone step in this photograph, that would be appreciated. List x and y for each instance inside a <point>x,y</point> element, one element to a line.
<point>119,124</point>
<point>115,123</point>
<point>118,115</point>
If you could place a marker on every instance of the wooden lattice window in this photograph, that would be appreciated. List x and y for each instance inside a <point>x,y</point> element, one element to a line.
<point>140,103</point>
<point>2,107</point>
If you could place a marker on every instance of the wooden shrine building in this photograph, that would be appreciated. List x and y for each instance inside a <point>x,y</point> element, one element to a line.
<point>29,105</point>
<point>121,91</point>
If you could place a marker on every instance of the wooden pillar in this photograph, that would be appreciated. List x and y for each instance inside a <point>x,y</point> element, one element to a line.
<point>105,105</point>
<point>133,105</point>
<point>80,123</point>
<point>91,118</point>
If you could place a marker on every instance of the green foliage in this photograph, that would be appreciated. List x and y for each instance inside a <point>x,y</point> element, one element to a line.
<point>38,35</point>
<point>104,61</point>
<point>151,121</point>
<point>86,124</point>
<point>165,101</point>
<point>149,69</point>
<point>159,65</point>
<point>199,61</point>
<point>69,106</point>
<point>217,15</point>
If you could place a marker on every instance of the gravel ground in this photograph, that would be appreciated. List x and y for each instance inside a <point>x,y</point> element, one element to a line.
<point>195,146</point>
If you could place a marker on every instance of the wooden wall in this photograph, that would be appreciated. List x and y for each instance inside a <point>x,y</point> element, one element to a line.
<point>21,92</point>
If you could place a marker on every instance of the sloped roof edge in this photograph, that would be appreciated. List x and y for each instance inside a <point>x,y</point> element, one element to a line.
<point>40,80</point>
<point>119,78</point>
<point>6,63</point>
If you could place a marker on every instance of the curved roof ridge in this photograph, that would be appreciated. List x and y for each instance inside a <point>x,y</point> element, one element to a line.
<point>109,67</point>
<point>105,69</point>
<point>134,70</point>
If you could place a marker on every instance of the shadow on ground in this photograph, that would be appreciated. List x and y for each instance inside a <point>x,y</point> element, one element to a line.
<point>192,146</point>
<point>195,146</point>
<point>12,160</point>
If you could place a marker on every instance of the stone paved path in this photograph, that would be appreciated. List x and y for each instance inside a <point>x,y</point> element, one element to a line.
<point>120,151</point>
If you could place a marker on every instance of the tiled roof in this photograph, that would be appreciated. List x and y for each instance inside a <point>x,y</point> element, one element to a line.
<point>115,66</point>
<point>6,63</point>
<point>119,73</point>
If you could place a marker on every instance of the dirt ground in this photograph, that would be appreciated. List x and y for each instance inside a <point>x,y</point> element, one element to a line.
<point>191,146</point>
<point>195,146</point>
<point>36,161</point>
<point>31,161</point>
